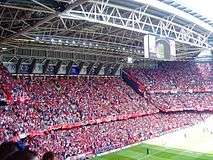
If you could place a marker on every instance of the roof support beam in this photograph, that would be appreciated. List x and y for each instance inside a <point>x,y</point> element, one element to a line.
<point>98,69</point>
<point>50,17</point>
<point>81,64</point>
<point>45,66</point>
<point>24,8</point>
<point>32,66</point>
<point>89,68</point>
<point>67,1</point>
<point>104,12</point>
<point>107,69</point>
<point>40,4</point>
<point>57,67</point>
<point>115,69</point>
<point>18,65</point>
<point>174,11</point>
<point>69,67</point>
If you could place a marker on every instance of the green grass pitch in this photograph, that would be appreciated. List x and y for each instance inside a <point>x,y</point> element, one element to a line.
<point>139,152</point>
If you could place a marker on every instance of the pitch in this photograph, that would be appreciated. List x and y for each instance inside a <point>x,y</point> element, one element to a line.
<point>139,152</point>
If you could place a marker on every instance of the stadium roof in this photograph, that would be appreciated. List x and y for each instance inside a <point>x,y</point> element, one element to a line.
<point>97,31</point>
<point>199,8</point>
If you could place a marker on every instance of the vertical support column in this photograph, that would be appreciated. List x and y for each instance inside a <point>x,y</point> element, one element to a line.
<point>107,69</point>
<point>98,69</point>
<point>69,67</point>
<point>115,69</point>
<point>81,64</point>
<point>89,68</point>
<point>57,67</point>
<point>45,66</point>
<point>18,65</point>
<point>32,66</point>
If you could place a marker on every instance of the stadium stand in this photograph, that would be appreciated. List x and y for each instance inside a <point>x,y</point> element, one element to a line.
<point>178,86</point>
<point>82,78</point>
<point>107,136</point>
<point>80,116</point>
<point>176,75</point>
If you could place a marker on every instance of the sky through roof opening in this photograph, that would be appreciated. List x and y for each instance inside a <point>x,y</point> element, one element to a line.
<point>203,7</point>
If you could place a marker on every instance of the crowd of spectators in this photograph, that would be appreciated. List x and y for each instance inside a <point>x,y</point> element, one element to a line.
<point>39,102</point>
<point>183,101</point>
<point>17,151</point>
<point>43,101</point>
<point>176,75</point>
<point>6,83</point>
<point>178,86</point>
<point>107,136</point>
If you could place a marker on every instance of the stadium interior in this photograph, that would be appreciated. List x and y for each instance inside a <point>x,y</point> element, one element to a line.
<point>83,78</point>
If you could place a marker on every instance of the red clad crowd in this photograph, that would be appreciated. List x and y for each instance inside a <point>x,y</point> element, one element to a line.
<point>184,101</point>
<point>6,83</point>
<point>176,75</point>
<point>178,86</point>
<point>41,102</point>
<point>107,136</point>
